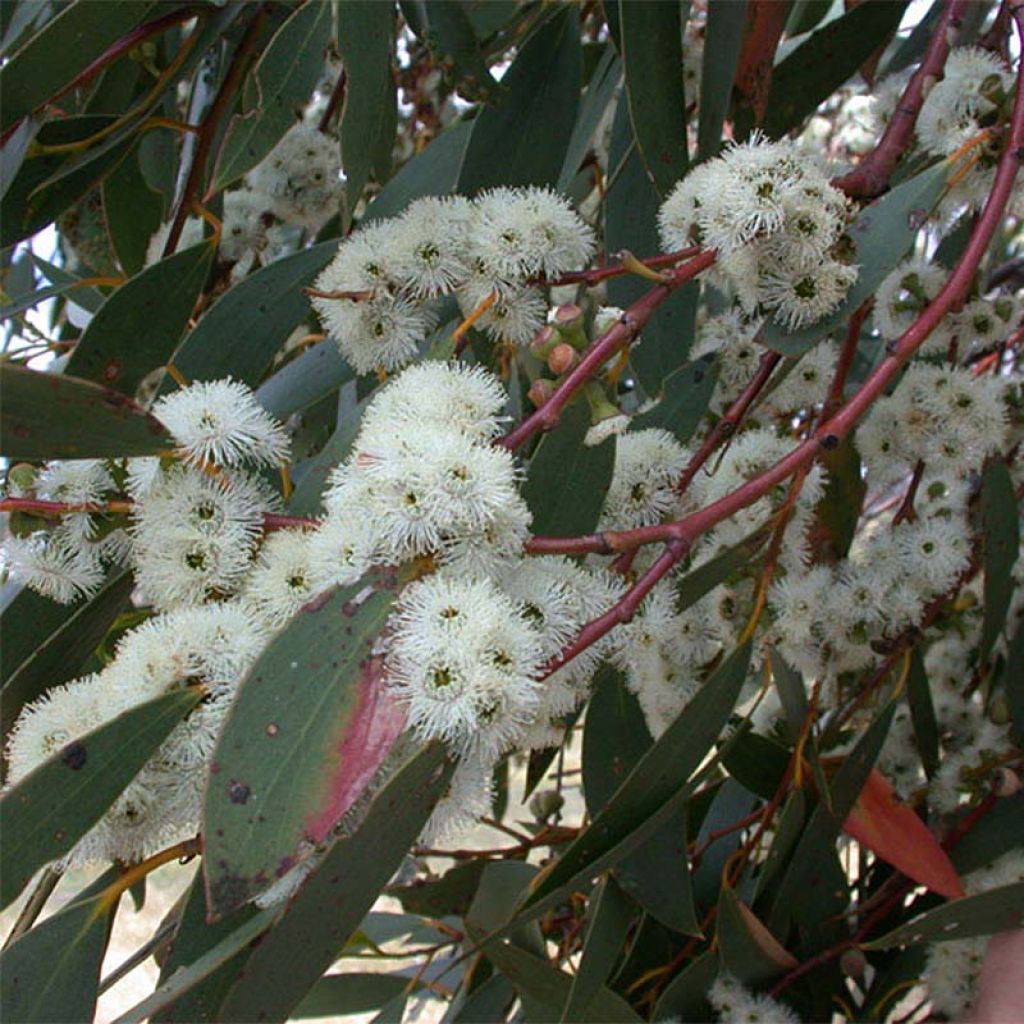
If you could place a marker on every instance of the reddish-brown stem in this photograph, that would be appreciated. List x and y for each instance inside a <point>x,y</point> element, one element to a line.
<point>731,419</point>
<point>871,176</point>
<point>680,535</point>
<point>727,830</point>
<point>334,101</point>
<point>208,129</point>
<point>599,274</point>
<point>272,521</point>
<point>623,333</point>
<point>847,354</point>
<point>906,513</point>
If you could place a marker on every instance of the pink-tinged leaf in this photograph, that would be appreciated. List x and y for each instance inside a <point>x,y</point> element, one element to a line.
<point>766,942</point>
<point>310,727</point>
<point>892,831</point>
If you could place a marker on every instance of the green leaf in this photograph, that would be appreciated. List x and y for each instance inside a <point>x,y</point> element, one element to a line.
<point>822,63</point>
<point>999,831</point>
<point>648,797</point>
<point>88,297</point>
<point>838,511</point>
<point>193,938</point>
<point>792,694</point>
<point>27,621</point>
<point>54,416</point>
<point>307,379</point>
<point>434,172</point>
<point>600,91</point>
<point>263,309</point>
<point>922,713</point>
<point>702,580</point>
<point>609,915</point>
<point>788,829</point>
<point>185,979</point>
<point>546,989</point>
<point>686,996</point>
<point>14,150</point>
<point>61,652</point>
<point>756,762</point>
<point>882,235</point>
<point>805,15</point>
<point>454,45</point>
<point>652,57</point>
<point>567,481</point>
<point>48,811</point>
<point>315,924</point>
<point>137,328</point>
<point>723,40</point>
<point>1001,519</point>
<point>998,910</point>
<point>336,995</point>
<point>730,803</point>
<point>48,184</point>
<point>52,972</point>
<point>631,217</point>
<point>309,727</point>
<point>447,896</point>
<point>283,82</point>
<point>806,890</point>
<point>686,394</point>
<point>487,1004</point>
<point>741,954</point>
<point>134,210</point>
<point>79,34</point>
<point>522,139</point>
<point>366,39</point>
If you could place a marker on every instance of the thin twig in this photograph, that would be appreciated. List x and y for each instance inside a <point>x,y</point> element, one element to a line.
<point>34,904</point>
<point>336,98</point>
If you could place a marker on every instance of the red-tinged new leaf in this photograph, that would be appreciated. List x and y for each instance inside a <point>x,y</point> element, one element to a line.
<point>311,725</point>
<point>892,831</point>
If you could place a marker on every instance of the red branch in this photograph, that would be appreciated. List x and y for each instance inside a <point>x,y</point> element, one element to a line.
<point>871,176</point>
<point>680,535</point>
<point>599,274</point>
<point>624,333</point>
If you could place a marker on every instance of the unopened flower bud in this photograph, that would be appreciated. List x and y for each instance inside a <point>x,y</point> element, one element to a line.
<point>853,963</point>
<point>546,803</point>
<point>562,358</point>
<point>540,391</point>
<point>1005,782</point>
<point>568,321</point>
<point>21,479</point>
<point>999,711</point>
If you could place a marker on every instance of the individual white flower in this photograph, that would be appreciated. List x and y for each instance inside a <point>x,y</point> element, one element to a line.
<point>220,422</point>
<point>144,473</point>
<point>904,294</point>
<point>342,549</point>
<point>282,580</point>
<point>431,259</point>
<point>245,223</point>
<point>647,466</point>
<point>807,383</point>
<point>732,339</point>
<point>75,482</point>
<point>516,314</point>
<point>736,1004</point>
<point>935,551</point>
<point>194,535</point>
<point>802,292</point>
<point>52,566</point>
<point>461,657</point>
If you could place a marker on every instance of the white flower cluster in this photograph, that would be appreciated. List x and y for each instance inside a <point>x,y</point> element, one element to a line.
<point>493,248</point>
<point>775,220</point>
<point>736,1004</point>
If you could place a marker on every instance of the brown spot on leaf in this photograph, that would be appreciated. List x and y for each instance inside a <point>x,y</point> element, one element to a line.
<point>74,756</point>
<point>238,792</point>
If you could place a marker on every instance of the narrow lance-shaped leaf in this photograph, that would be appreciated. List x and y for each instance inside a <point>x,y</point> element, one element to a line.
<point>282,82</point>
<point>136,329</point>
<point>722,42</point>
<point>54,416</point>
<point>748,950</point>
<point>48,811</point>
<point>1001,516</point>
<point>316,923</point>
<point>998,910</point>
<point>604,80</point>
<point>310,726</point>
<point>895,833</point>
<point>686,394</point>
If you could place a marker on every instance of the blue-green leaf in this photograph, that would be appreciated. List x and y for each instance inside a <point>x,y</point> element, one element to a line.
<point>1001,518</point>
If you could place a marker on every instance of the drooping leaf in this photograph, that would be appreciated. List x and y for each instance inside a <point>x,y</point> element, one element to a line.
<point>892,831</point>
<point>52,973</point>
<point>729,804</point>
<point>686,394</point>
<point>522,138</point>
<point>792,694</point>
<point>336,995</point>
<point>648,797</point>
<point>882,235</point>
<point>136,329</point>
<point>567,481</point>
<point>366,39</point>
<point>600,90</point>
<point>998,910</point>
<point>310,726</point>
<point>55,416</point>
<point>837,513</point>
<point>1001,518</point>
<point>79,34</point>
<point>60,653</point>
<point>454,45</point>
<point>86,296</point>
<point>315,924</point>
<point>822,63</point>
<point>14,150</point>
<point>747,948</point>
<point>922,713</point>
<point>27,621</point>
<point>48,811</point>
<point>723,39</point>
<point>686,996</point>
<point>282,82</point>
<point>258,314</point>
<point>305,380</point>
<point>788,828</point>
<point>702,580</point>
<point>134,210</point>
<point>998,832</point>
<point>447,896</point>
<point>609,916</point>
<point>757,762</point>
<point>652,58</point>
